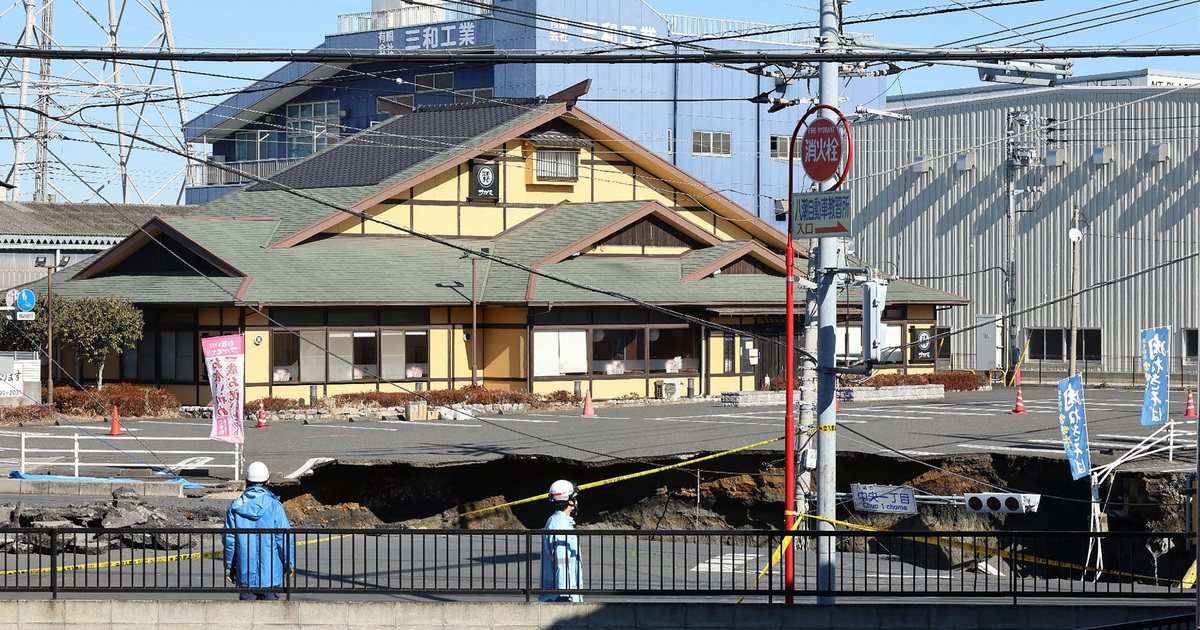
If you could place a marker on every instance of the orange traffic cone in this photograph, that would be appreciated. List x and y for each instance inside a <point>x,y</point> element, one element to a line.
<point>1190,410</point>
<point>588,410</point>
<point>1019,409</point>
<point>837,404</point>
<point>262,417</point>
<point>116,423</point>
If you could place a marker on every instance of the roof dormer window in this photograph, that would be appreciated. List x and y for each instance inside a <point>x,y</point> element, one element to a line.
<point>557,165</point>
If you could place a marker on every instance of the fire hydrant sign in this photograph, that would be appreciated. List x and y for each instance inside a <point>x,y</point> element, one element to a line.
<point>821,214</point>
<point>821,150</point>
<point>885,499</point>
<point>225,358</point>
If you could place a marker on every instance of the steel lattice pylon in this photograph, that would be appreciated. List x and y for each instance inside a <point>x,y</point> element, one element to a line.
<point>73,127</point>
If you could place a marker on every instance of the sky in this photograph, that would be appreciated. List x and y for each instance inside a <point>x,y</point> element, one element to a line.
<point>302,24</point>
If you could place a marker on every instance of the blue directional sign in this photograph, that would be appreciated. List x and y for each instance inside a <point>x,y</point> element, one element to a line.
<point>26,300</point>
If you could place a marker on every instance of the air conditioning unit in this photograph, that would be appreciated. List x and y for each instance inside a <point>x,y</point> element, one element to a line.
<point>669,389</point>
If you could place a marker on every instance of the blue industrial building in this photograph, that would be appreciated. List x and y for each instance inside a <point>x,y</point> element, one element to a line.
<point>698,116</point>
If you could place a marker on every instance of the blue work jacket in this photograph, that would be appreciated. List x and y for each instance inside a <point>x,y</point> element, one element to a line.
<point>562,565</point>
<point>260,559</point>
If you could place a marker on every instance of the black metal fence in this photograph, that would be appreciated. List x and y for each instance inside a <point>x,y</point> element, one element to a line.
<point>652,564</point>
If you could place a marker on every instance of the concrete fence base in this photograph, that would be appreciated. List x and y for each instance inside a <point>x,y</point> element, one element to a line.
<point>895,392</point>
<point>857,394</point>
<point>112,614</point>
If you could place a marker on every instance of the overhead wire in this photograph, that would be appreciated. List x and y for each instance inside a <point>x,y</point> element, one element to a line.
<point>398,385</point>
<point>524,434</point>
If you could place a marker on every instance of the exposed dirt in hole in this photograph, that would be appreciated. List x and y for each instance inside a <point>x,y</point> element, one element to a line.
<point>744,491</point>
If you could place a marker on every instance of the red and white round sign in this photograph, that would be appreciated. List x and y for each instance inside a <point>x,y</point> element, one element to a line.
<point>821,150</point>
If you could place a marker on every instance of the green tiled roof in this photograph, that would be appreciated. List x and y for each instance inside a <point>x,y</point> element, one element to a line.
<point>409,143</point>
<point>349,270</point>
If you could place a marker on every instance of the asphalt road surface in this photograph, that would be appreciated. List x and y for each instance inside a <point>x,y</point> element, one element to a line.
<point>962,423</point>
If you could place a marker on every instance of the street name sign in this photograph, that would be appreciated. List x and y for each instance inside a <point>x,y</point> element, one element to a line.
<point>886,499</point>
<point>821,214</point>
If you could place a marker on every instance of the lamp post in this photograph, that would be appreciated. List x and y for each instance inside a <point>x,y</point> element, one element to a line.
<point>474,317</point>
<point>1076,235</point>
<point>474,325</point>
<point>60,261</point>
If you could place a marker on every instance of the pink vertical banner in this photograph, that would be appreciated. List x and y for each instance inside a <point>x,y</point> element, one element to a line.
<point>226,361</point>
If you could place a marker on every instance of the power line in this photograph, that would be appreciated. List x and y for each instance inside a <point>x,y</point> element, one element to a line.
<point>748,56</point>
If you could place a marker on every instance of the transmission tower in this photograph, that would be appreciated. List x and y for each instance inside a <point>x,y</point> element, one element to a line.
<point>83,119</point>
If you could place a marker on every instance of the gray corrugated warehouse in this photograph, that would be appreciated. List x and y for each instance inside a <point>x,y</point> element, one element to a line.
<point>932,197</point>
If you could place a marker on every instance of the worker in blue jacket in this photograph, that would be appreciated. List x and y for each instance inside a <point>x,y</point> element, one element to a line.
<point>257,561</point>
<point>562,564</point>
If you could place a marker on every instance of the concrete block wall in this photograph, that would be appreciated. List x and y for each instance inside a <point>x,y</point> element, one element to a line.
<point>860,394</point>
<point>175,614</point>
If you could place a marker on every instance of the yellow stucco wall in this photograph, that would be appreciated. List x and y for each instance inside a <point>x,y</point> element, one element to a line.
<point>187,393</point>
<point>439,352</point>
<point>637,250</point>
<point>481,220</point>
<point>294,392</point>
<point>258,358</point>
<point>397,214</point>
<point>921,311</point>
<point>502,354</point>
<point>601,389</point>
<point>212,316</point>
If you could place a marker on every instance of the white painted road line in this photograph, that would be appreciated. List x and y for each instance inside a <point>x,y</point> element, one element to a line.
<point>1014,449</point>
<point>1090,443</point>
<point>407,423</point>
<point>173,423</point>
<point>308,466</point>
<point>522,420</point>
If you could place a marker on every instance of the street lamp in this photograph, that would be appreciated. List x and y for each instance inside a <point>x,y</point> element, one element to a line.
<point>1075,235</point>
<point>60,261</point>
<point>474,319</point>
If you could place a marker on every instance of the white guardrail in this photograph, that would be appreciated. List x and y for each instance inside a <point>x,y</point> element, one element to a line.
<point>33,451</point>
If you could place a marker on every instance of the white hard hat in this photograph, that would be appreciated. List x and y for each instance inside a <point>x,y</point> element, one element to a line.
<point>563,490</point>
<point>257,472</point>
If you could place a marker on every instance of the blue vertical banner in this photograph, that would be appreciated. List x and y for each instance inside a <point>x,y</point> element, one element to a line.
<point>1073,423</point>
<point>1156,357</point>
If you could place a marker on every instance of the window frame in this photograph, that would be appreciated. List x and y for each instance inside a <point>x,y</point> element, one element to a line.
<point>779,152</point>
<point>437,82</point>
<point>1084,351</point>
<point>563,168</point>
<point>308,127</point>
<point>712,143</point>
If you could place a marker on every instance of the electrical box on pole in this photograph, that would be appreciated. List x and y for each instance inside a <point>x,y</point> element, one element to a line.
<point>874,295</point>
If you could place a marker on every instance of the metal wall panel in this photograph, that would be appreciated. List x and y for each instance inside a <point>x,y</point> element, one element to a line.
<point>948,227</point>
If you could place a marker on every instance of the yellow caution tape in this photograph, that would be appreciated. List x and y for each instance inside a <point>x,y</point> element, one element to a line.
<point>216,553</point>
<point>1189,578</point>
<point>604,482</point>
<point>956,544</point>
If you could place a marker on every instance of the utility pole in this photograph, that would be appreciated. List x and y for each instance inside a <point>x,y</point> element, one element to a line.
<point>1021,145</point>
<point>830,40</point>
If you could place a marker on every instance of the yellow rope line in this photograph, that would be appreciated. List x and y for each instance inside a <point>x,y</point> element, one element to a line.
<point>604,482</point>
<point>216,553</point>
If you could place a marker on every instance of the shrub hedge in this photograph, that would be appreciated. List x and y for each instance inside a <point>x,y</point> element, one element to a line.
<point>469,395</point>
<point>130,400</point>
<point>952,381</point>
